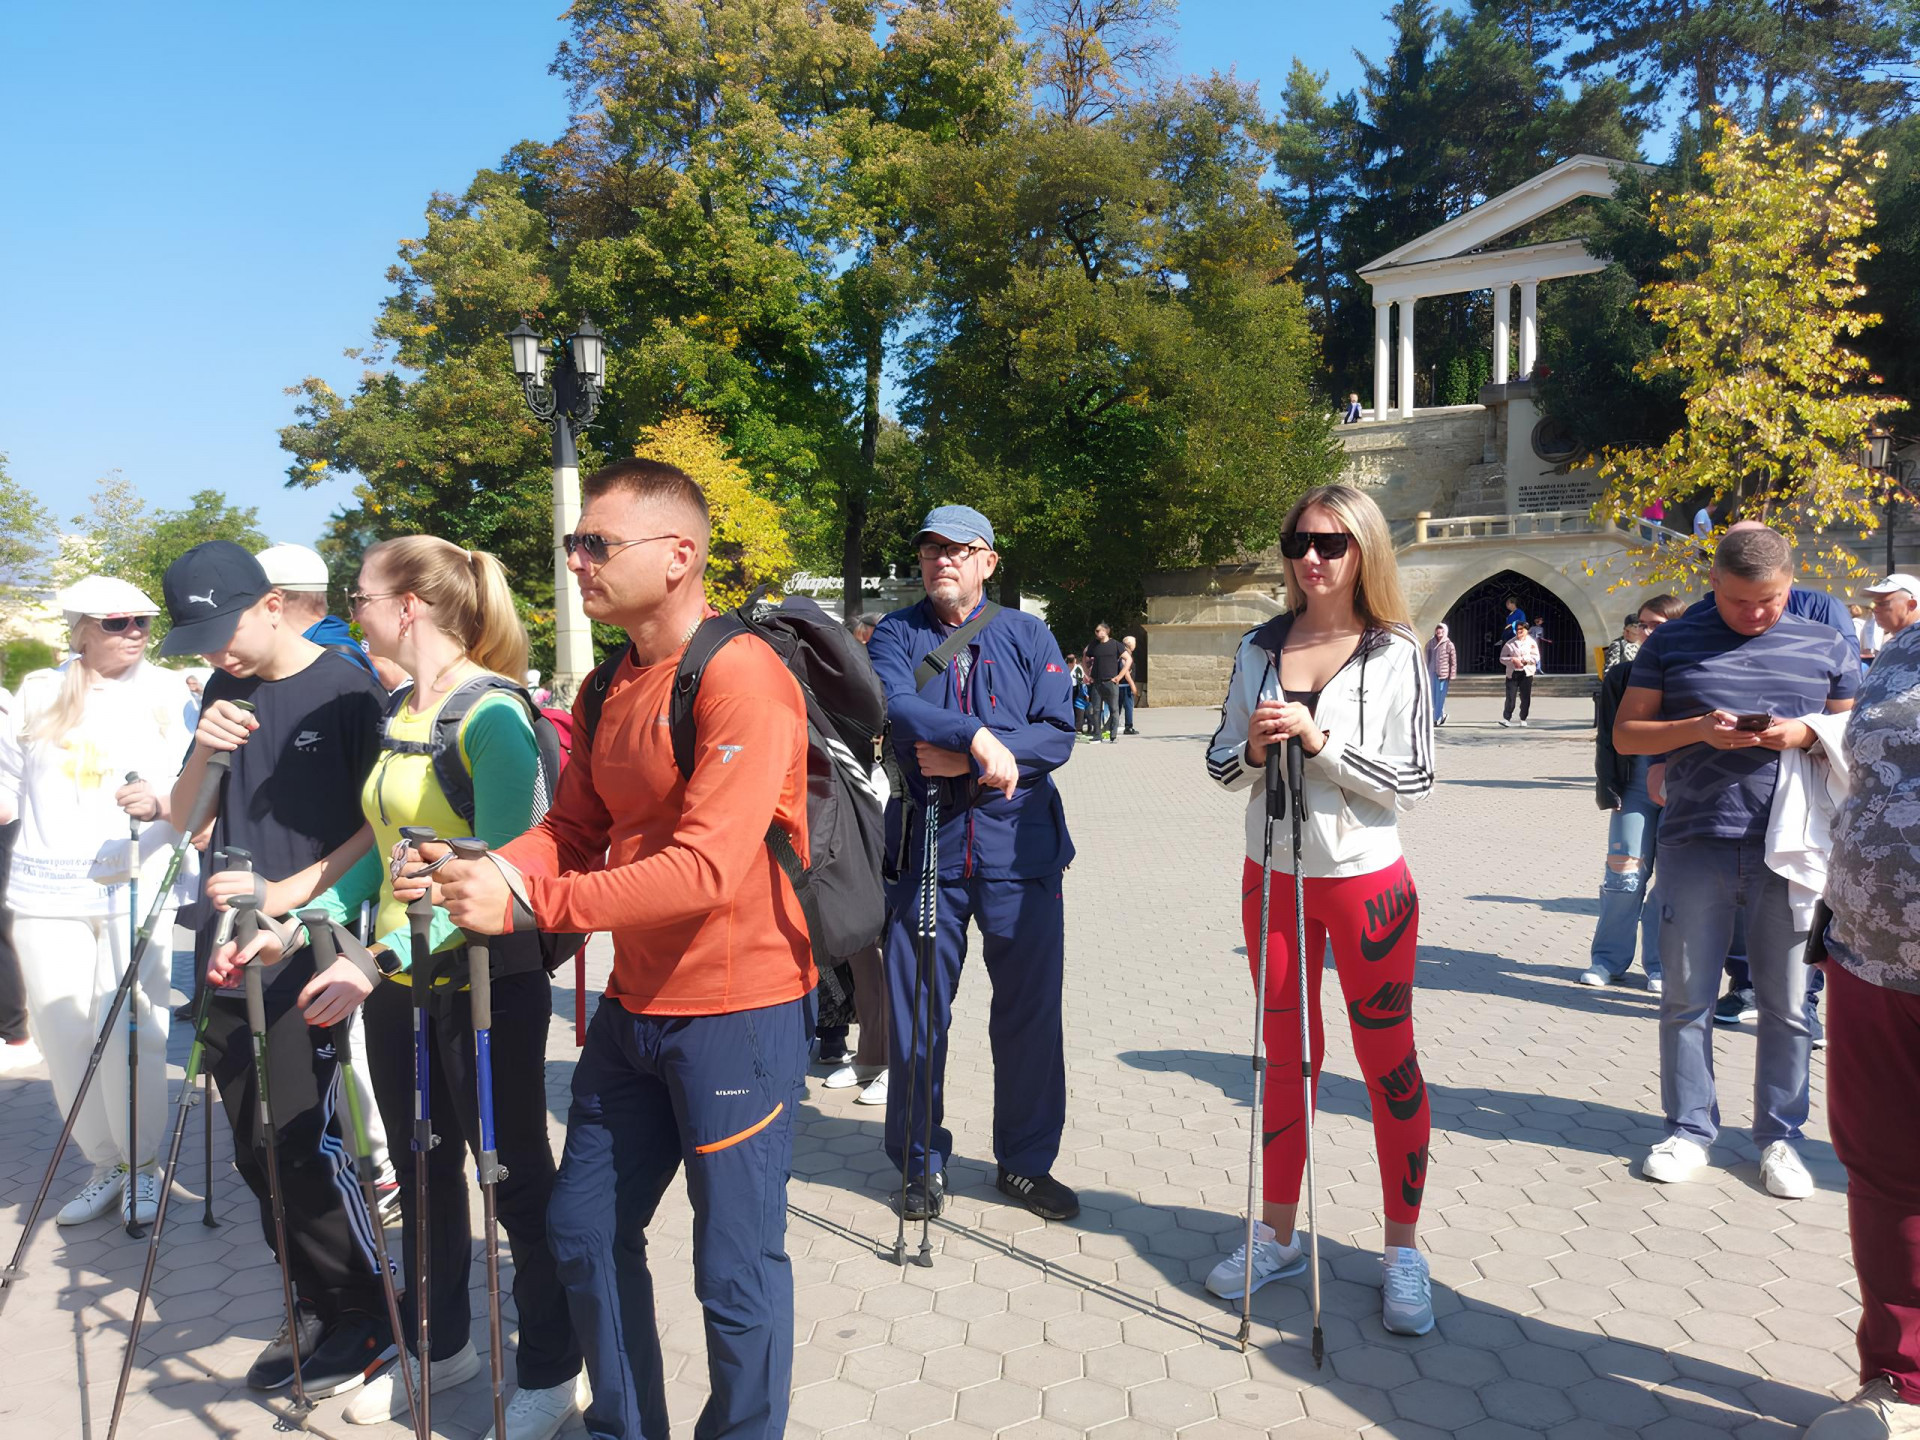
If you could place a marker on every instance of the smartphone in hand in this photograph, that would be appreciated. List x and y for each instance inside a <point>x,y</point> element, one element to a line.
<point>1752,723</point>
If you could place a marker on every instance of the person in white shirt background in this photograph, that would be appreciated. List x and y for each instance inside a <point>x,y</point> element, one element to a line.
<point>66,748</point>
<point>1896,605</point>
<point>17,1050</point>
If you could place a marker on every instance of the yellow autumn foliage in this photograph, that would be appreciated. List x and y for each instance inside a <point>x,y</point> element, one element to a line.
<point>750,543</point>
<point>1761,303</point>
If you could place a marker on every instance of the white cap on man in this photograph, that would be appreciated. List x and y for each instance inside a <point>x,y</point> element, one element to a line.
<point>1896,581</point>
<point>294,567</point>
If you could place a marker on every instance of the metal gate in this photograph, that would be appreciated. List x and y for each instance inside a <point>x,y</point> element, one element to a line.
<point>1477,626</point>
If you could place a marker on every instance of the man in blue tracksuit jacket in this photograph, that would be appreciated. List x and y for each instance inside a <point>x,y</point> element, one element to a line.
<point>987,732</point>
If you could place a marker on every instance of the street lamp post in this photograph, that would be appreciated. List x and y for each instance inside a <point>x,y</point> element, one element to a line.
<point>565,398</point>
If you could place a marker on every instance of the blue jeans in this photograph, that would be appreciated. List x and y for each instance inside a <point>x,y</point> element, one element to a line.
<point>1703,885</point>
<point>1126,705</point>
<point>1440,700</point>
<point>1626,899</point>
<point>717,1094</point>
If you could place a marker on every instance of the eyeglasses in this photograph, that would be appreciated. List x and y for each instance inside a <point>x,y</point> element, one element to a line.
<point>956,552</point>
<point>120,624</point>
<point>1328,544</point>
<point>357,598</point>
<point>598,547</point>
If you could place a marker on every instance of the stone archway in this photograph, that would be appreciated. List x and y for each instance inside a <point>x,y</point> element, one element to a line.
<point>1581,626</point>
<point>1477,621</point>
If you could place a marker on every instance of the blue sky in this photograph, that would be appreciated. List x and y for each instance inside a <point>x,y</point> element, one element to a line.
<point>202,200</point>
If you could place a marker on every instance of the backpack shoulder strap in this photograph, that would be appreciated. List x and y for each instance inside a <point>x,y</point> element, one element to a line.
<point>449,763</point>
<point>934,665</point>
<point>594,695</point>
<point>705,644</point>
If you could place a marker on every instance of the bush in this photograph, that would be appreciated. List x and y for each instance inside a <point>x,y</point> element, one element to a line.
<point>21,657</point>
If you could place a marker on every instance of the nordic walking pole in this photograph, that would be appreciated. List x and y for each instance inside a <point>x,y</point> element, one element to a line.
<point>1276,798</point>
<point>928,853</point>
<point>202,1008</point>
<point>480,989</point>
<point>1296,780</point>
<point>246,925</point>
<point>133,1025</point>
<point>203,803</point>
<point>320,936</point>
<point>420,923</point>
<point>929,928</point>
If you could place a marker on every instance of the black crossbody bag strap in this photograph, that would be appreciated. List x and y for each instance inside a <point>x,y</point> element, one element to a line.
<point>934,665</point>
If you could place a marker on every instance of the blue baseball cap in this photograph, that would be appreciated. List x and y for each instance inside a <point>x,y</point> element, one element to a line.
<point>960,523</point>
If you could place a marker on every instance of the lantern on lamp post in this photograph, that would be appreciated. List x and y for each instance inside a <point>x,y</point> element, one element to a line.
<point>562,384</point>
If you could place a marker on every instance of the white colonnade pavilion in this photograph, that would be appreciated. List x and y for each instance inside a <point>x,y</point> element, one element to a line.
<point>1452,259</point>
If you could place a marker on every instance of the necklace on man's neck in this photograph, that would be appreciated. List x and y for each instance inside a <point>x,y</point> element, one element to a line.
<point>687,639</point>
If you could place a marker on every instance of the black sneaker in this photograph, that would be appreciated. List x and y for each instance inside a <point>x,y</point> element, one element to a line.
<point>352,1352</point>
<point>926,1198</point>
<point>1042,1194</point>
<point>273,1370</point>
<point>1735,1006</point>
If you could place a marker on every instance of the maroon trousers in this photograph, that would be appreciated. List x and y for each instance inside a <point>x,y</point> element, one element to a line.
<point>1873,1093</point>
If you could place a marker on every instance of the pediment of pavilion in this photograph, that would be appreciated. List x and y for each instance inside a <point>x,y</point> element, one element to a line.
<point>1455,257</point>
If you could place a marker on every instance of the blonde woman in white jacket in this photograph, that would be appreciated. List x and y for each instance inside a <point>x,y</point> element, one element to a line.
<point>1342,670</point>
<point>65,752</point>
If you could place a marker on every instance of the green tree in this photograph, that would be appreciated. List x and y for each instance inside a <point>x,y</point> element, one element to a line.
<point>1755,316</point>
<point>110,538</point>
<point>1770,61</point>
<point>1313,153</point>
<point>25,526</point>
<point>1117,365</point>
<point>1094,56</point>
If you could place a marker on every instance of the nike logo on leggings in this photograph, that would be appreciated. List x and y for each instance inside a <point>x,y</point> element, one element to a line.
<point>1387,1007</point>
<point>1404,1087</point>
<point>1415,1183</point>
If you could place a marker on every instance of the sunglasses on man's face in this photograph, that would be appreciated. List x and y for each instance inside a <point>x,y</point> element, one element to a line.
<point>598,547</point>
<point>1329,544</point>
<point>120,624</point>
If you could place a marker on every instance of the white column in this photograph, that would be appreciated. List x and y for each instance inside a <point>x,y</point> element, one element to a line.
<point>1529,325</point>
<point>572,633</point>
<point>1382,356</point>
<point>1502,323</point>
<point>1406,359</point>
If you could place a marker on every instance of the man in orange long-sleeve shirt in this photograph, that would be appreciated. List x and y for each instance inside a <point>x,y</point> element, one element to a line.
<point>698,1054</point>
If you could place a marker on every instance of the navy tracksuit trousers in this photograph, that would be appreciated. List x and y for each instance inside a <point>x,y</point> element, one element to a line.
<point>716,1093</point>
<point>1023,941</point>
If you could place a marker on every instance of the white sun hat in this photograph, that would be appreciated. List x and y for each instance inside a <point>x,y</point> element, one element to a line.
<point>102,595</point>
<point>294,567</point>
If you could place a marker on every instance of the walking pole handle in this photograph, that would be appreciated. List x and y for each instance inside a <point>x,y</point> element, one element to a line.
<point>1276,787</point>
<point>479,957</point>
<point>1296,774</point>
<point>245,926</point>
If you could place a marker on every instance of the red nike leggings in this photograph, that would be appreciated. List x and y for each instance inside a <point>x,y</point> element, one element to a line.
<point>1373,922</point>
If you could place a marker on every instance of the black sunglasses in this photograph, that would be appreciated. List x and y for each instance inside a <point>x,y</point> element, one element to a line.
<point>120,624</point>
<point>598,547</point>
<point>1331,544</point>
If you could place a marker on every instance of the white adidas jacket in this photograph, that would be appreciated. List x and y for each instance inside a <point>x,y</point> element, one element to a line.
<point>1377,715</point>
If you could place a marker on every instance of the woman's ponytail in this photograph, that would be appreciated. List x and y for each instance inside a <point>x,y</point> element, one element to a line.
<point>500,640</point>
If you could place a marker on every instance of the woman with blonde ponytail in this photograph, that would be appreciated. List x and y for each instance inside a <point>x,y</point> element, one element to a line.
<point>445,615</point>
<point>66,753</point>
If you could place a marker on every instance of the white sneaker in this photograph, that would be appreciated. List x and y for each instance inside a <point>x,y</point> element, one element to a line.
<point>1674,1159</point>
<point>1655,985</point>
<point>538,1414</point>
<point>141,1196</point>
<point>1271,1261</point>
<point>1593,975</point>
<point>18,1056</point>
<point>1876,1413</point>
<point>876,1093</point>
<point>382,1398</point>
<point>1783,1174</point>
<point>96,1197</point>
<point>1521,723</point>
<point>847,1076</point>
<point>1506,724</point>
<point>1406,1299</point>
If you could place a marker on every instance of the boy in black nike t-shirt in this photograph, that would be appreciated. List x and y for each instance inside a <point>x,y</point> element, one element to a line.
<point>293,797</point>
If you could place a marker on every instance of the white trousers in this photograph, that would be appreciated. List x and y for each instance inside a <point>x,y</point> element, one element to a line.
<point>71,968</point>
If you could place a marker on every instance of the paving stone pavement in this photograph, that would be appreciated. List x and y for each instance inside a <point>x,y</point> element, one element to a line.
<point>1574,1299</point>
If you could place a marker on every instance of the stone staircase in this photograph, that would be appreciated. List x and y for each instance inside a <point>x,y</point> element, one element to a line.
<point>1542,685</point>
